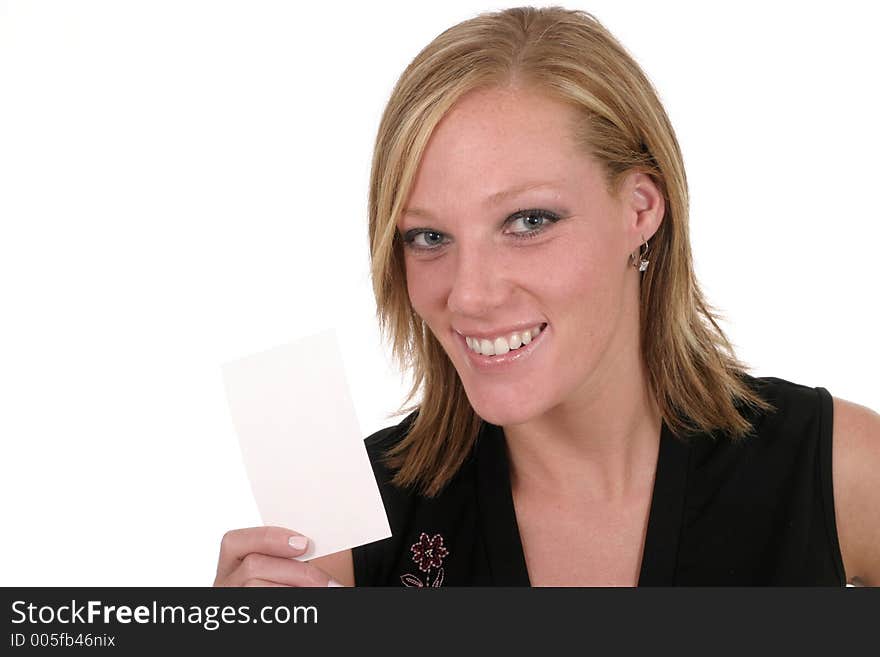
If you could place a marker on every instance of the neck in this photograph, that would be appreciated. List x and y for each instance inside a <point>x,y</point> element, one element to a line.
<point>602,444</point>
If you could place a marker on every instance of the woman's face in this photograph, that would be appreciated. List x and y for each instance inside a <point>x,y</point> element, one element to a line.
<point>478,266</point>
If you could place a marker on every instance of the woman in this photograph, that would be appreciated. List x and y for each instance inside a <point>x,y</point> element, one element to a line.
<point>583,419</point>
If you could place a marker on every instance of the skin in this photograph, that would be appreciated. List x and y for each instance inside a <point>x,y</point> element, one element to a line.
<point>577,415</point>
<point>581,429</point>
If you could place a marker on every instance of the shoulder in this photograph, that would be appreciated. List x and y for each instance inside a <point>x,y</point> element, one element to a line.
<point>378,443</point>
<point>776,464</point>
<point>826,451</point>
<point>854,452</point>
<point>787,397</point>
<point>856,477</point>
<point>388,436</point>
<point>798,421</point>
<point>398,501</point>
<point>793,430</point>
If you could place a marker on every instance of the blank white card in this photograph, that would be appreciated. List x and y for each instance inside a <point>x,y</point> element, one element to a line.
<point>302,445</point>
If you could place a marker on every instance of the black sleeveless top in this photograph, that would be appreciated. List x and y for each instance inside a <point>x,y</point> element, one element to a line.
<point>752,513</point>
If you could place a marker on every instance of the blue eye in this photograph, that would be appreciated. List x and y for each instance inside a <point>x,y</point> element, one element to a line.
<point>535,221</point>
<point>430,235</point>
<point>542,215</point>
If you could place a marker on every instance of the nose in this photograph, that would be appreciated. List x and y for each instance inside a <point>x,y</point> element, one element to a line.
<point>479,285</point>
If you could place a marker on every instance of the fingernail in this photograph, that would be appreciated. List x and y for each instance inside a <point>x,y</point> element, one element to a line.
<point>298,542</point>
<point>333,582</point>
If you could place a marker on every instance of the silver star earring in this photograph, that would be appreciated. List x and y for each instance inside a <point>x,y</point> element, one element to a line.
<point>642,263</point>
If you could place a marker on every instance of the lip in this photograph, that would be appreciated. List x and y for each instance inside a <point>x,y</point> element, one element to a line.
<point>491,335</point>
<point>501,363</point>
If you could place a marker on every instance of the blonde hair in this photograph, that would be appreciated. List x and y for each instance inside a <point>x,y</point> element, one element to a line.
<point>567,54</point>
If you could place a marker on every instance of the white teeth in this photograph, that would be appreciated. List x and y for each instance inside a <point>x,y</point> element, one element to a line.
<point>515,340</point>
<point>502,345</point>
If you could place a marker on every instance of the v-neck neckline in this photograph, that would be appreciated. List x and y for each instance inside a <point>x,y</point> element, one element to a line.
<point>507,561</point>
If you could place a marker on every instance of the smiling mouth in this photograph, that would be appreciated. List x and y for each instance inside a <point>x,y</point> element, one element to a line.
<point>504,344</point>
<point>502,361</point>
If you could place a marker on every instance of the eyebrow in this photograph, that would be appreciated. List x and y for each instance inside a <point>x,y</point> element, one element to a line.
<point>492,199</point>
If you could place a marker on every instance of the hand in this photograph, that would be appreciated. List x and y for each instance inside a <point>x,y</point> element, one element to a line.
<point>261,556</point>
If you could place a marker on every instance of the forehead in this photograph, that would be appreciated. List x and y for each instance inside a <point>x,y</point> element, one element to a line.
<point>492,139</point>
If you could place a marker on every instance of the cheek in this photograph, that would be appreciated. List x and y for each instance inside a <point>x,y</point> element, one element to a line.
<point>582,287</point>
<point>424,286</point>
<point>576,270</point>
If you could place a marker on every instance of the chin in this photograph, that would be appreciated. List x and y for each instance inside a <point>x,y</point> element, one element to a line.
<point>501,414</point>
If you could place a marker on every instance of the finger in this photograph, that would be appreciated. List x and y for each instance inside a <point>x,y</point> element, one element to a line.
<point>262,583</point>
<point>278,569</point>
<point>271,540</point>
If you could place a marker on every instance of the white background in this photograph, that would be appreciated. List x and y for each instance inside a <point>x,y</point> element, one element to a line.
<point>184,183</point>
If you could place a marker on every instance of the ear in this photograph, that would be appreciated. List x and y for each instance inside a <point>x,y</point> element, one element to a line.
<point>643,205</point>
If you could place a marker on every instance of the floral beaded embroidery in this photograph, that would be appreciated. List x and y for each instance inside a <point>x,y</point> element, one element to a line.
<point>427,553</point>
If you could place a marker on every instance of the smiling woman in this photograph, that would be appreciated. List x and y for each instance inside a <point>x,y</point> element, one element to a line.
<point>583,419</point>
<point>553,116</point>
<point>580,416</point>
<point>486,282</point>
